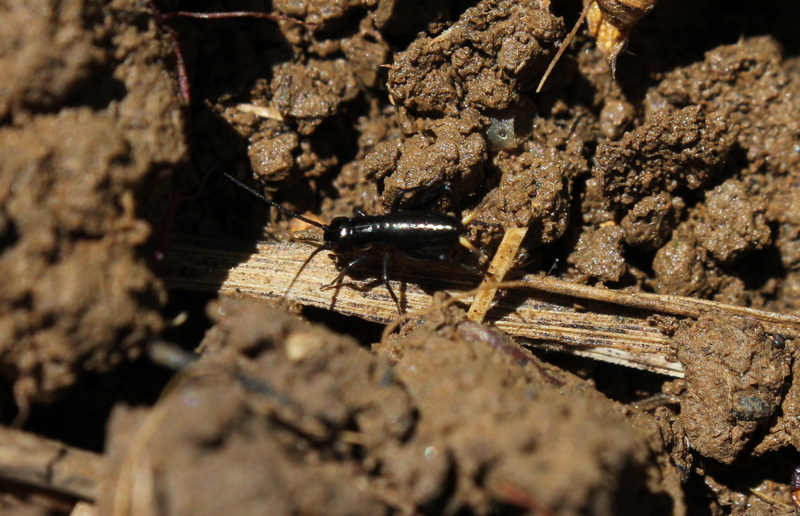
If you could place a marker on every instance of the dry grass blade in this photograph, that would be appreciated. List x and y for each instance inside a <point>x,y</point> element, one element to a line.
<point>607,325</point>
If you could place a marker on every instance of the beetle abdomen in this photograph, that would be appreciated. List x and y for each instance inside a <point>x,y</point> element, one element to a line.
<point>405,230</point>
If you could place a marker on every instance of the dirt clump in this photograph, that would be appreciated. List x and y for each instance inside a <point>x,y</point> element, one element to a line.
<point>598,254</point>
<point>670,152</point>
<point>77,293</point>
<point>651,220</point>
<point>300,418</point>
<point>278,414</point>
<point>477,62</point>
<point>735,377</point>
<point>535,187</point>
<point>747,85</point>
<point>513,430</point>
<point>732,223</point>
<point>449,149</point>
<point>681,266</point>
<point>310,98</point>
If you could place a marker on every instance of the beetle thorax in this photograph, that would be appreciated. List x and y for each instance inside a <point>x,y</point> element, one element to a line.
<point>338,231</point>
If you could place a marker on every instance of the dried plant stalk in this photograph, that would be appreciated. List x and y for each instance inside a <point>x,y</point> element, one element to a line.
<point>501,263</point>
<point>599,323</point>
<point>53,467</point>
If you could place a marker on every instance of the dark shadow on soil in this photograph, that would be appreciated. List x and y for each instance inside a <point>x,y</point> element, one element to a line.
<point>79,418</point>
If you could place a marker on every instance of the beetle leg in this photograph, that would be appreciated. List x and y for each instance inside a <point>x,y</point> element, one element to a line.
<point>421,201</point>
<point>385,276</point>
<point>348,266</point>
<point>476,270</point>
<point>442,257</point>
<point>469,220</point>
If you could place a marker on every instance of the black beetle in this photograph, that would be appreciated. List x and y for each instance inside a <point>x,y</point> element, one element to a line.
<point>412,232</point>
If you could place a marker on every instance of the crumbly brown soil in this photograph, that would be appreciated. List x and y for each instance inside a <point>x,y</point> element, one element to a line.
<point>679,176</point>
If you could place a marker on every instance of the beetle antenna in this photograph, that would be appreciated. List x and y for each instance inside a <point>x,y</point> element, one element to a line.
<point>285,211</point>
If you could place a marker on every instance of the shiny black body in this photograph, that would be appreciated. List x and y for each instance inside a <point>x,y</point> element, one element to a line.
<point>401,231</point>
<point>414,232</point>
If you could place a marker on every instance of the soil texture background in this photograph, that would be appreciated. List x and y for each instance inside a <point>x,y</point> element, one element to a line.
<point>674,170</point>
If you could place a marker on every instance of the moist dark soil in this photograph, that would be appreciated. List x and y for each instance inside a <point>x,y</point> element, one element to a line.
<point>678,173</point>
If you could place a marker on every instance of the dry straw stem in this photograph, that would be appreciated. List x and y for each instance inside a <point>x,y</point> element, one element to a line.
<point>502,262</point>
<point>603,324</point>
<point>48,466</point>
